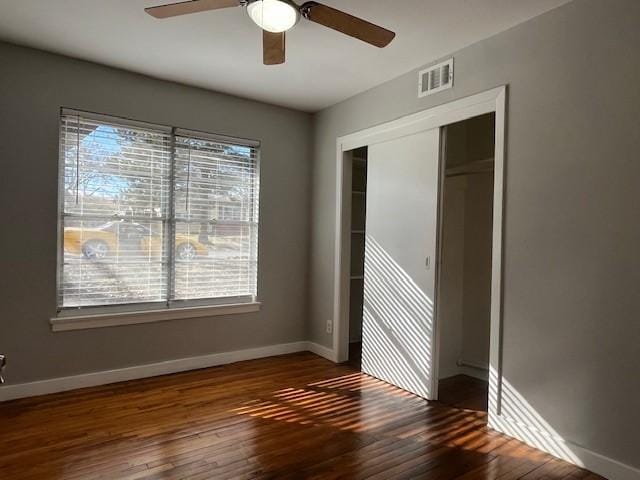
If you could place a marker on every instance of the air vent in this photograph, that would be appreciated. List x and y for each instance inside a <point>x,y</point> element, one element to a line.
<point>436,78</point>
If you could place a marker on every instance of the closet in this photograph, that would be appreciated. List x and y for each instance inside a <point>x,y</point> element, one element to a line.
<point>418,249</point>
<point>358,225</point>
<point>464,294</point>
<point>421,235</point>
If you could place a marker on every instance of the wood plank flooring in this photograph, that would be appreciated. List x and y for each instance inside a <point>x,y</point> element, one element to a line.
<point>463,391</point>
<point>291,417</point>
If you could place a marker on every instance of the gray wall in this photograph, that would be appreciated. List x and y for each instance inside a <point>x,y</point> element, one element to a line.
<point>478,237</point>
<point>571,262</point>
<point>451,282</point>
<point>33,87</point>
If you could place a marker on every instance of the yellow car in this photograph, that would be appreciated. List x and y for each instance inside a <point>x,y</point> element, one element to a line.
<point>126,238</point>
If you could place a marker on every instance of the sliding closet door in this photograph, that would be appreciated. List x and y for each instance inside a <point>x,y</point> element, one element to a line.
<point>400,253</point>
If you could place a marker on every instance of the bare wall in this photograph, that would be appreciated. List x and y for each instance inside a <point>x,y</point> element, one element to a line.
<point>478,226</point>
<point>33,87</point>
<point>451,282</point>
<point>571,262</point>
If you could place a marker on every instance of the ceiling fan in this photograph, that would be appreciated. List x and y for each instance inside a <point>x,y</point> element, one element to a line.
<point>275,17</point>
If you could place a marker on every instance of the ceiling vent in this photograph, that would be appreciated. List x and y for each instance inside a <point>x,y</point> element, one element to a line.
<point>436,78</point>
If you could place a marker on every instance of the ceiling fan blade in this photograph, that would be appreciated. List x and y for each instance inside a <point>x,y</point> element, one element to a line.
<point>347,24</point>
<point>190,6</point>
<point>273,47</point>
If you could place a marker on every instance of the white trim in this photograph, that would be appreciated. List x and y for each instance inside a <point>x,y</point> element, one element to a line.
<point>61,384</point>
<point>435,356</point>
<point>322,351</point>
<point>486,102</point>
<point>476,365</point>
<point>499,180</point>
<point>115,319</point>
<point>583,457</point>
<point>435,117</point>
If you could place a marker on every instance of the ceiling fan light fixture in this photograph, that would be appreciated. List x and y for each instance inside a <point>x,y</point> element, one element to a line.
<point>274,16</point>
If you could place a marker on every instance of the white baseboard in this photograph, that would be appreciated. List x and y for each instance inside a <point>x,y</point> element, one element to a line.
<point>566,450</point>
<point>322,351</point>
<point>61,384</point>
<point>475,373</point>
<point>456,370</point>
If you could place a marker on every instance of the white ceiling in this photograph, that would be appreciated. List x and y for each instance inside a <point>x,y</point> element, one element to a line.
<point>221,50</point>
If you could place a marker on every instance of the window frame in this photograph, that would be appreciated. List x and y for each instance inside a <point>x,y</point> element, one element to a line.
<point>81,317</point>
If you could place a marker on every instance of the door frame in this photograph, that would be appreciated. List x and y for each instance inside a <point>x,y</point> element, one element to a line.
<point>494,100</point>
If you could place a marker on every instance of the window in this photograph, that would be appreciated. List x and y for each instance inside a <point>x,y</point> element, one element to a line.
<point>154,215</point>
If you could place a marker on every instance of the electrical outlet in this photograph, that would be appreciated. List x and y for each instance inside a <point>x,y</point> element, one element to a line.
<point>329,326</point>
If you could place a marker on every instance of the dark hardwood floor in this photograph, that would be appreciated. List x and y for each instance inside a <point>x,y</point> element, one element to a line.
<point>463,391</point>
<point>291,417</point>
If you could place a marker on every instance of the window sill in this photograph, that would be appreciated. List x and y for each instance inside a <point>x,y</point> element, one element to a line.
<point>82,322</point>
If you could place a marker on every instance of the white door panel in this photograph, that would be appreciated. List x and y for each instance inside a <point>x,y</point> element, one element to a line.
<point>399,286</point>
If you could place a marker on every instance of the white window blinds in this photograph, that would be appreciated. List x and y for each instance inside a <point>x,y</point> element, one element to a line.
<point>151,214</point>
<point>216,201</point>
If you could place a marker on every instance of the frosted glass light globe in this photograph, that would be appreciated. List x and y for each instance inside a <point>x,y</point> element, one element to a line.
<point>273,15</point>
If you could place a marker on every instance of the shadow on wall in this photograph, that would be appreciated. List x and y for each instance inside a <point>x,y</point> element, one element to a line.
<point>397,324</point>
<point>519,419</point>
